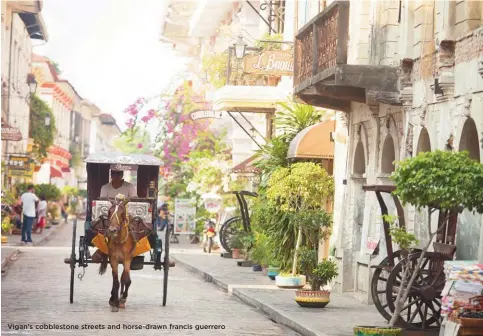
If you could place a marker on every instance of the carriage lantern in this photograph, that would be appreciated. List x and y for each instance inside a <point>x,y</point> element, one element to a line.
<point>151,191</point>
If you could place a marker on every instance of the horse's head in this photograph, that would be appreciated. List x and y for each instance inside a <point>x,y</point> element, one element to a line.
<point>117,216</point>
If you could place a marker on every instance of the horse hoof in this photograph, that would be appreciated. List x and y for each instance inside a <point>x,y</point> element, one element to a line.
<point>122,305</point>
<point>115,309</point>
<point>111,303</point>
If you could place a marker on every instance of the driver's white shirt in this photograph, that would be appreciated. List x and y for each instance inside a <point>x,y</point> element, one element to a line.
<point>127,189</point>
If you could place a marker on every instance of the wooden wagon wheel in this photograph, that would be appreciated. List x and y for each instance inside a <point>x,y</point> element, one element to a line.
<point>421,310</point>
<point>379,284</point>
<point>229,229</point>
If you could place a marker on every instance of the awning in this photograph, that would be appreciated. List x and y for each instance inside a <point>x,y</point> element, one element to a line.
<point>253,99</point>
<point>55,173</point>
<point>314,142</point>
<point>246,166</point>
<point>10,133</point>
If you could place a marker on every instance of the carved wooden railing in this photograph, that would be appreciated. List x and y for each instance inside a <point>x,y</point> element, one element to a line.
<point>322,43</point>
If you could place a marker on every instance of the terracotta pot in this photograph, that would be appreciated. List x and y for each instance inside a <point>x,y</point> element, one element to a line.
<point>235,253</point>
<point>312,299</point>
<point>377,331</point>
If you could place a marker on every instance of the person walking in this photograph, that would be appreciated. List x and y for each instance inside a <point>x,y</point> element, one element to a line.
<point>28,201</point>
<point>41,214</point>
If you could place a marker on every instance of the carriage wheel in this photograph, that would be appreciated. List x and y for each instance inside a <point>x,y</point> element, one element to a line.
<point>72,261</point>
<point>230,228</point>
<point>379,284</point>
<point>166,267</point>
<point>421,310</point>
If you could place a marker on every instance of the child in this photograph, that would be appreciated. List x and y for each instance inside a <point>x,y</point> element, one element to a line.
<point>41,214</point>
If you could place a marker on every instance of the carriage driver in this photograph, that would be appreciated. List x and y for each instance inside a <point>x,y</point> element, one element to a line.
<point>111,190</point>
<point>118,186</point>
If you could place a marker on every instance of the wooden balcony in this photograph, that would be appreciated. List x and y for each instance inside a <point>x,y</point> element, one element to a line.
<point>322,76</point>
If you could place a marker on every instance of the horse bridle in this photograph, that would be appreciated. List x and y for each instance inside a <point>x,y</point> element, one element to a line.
<point>121,226</point>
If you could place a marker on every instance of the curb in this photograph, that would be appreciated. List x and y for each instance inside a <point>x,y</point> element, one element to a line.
<point>267,310</point>
<point>9,257</point>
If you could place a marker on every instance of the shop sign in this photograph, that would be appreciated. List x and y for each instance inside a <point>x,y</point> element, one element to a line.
<point>205,115</point>
<point>275,63</point>
<point>20,166</point>
<point>11,133</point>
<point>212,202</point>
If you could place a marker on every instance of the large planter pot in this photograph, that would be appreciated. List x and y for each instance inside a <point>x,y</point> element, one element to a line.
<point>288,281</point>
<point>272,272</point>
<point>312,299</point>
<point>235,253</point>
<point>377,331</point>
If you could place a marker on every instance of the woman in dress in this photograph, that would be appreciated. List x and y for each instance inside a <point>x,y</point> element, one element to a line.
<point>41,214</point>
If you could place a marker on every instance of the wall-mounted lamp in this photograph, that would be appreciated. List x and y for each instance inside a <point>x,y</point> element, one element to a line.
<point>240,47</point>
<point>47,121</point>
<point>32,83</point>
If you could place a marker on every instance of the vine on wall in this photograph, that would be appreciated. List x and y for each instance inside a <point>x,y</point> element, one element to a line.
<point>42,135</point>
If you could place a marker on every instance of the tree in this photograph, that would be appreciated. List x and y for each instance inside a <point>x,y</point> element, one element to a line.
<point>136,140</point>
<point>56,67</point>
<point>42,135</point>
<point>441,181</point>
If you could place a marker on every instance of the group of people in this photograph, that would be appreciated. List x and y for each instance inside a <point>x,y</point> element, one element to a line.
<point>34,210</point>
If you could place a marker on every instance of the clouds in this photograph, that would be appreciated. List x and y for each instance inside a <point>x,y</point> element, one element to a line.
<point>109,50</point>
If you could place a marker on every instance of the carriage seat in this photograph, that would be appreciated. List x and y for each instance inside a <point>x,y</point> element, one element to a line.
<point>140,212</point>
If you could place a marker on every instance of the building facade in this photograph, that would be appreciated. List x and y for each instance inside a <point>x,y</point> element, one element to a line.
<point>21,24</point>
<point>406,77</point>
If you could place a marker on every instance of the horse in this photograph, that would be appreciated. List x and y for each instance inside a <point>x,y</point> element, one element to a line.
<point>121,245</point>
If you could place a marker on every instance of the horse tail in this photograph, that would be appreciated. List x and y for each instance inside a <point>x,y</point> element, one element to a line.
<point>103,267</point>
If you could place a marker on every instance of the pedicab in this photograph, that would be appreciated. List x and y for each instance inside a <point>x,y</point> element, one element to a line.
<point>422,310</point>
<point>140,216</point>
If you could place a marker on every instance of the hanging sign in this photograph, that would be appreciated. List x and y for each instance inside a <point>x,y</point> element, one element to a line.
<point>123,167</point>
<point>196,115</point>
<point>275,63</point>
<point>213,202</point>
<point>184,216</point>
<point>10,133</point>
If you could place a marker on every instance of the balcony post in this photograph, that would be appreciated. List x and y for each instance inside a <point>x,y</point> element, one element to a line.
<point>314,49</point>
<point>342,32</point>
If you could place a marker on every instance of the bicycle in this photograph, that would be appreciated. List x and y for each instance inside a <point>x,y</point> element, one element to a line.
<point>236,224</point>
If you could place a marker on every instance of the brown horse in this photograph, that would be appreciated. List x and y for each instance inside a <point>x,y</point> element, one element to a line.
<point>121,245</point>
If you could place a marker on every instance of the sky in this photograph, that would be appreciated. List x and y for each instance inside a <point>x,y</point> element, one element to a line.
<point>109,50</point>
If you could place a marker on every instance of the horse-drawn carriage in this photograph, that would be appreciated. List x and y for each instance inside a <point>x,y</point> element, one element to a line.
<point>111,221</point>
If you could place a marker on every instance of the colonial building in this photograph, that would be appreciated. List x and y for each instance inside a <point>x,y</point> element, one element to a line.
<point>207,30</point>
<point>21,24</point>
<point>406,77</point>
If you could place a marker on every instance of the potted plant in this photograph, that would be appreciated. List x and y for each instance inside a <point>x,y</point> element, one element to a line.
<point>53,210</point>
<point>318,275</point>
<point>236,245</point>
<point>301,191</point>
<point>440,181</point>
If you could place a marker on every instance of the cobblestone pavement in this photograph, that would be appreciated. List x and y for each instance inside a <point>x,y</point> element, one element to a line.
<point>35,293</point>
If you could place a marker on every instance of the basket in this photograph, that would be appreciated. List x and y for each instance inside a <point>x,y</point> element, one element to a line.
<point>469,322</point>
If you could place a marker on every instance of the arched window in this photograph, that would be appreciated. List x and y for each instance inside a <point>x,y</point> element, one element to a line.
<point>359,160</point>
<point>469,139</point>
<point>388,156</point>
<point>424,144</point>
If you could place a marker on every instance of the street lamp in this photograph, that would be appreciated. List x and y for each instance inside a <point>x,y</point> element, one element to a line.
<point>240,47</point>
<point>32,83</point>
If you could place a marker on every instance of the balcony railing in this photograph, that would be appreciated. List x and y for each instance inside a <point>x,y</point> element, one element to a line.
<point>321,44</point>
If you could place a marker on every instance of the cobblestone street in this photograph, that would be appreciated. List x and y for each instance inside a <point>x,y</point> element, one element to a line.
<point>35,292</point>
